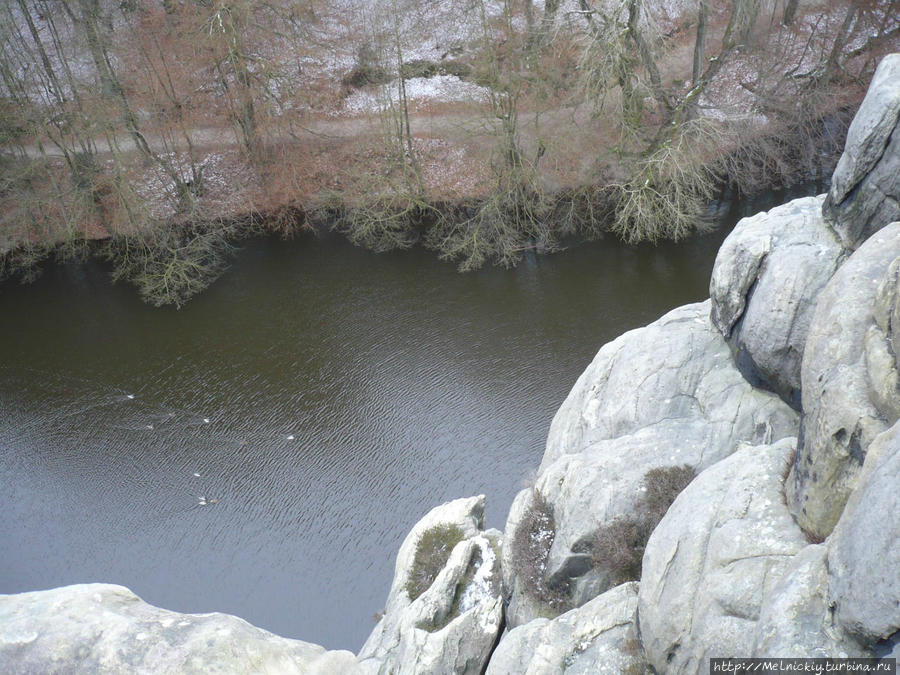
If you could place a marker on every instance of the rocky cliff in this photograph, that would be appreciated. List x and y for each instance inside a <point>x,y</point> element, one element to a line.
<point>722,482</point>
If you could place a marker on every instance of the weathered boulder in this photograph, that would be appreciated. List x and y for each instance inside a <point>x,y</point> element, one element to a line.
<point>444,611</point>
<point>764,284</point>
<point>676,368</point>
<point>842,598</point>
<point>717,553</point>
<point>607,499</point>
<point>865,187</point>
<point>864,550</point>
<point>795,620</point>
<point>882,355</point>
<point>103,628</point>
<point>841,360</point>
<point>596,639</point>
<point>656,406</point>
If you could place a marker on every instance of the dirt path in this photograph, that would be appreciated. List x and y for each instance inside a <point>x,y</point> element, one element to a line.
<point>322,127</point>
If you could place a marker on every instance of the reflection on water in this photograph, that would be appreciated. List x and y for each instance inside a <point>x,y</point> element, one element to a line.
<point>264,450</point>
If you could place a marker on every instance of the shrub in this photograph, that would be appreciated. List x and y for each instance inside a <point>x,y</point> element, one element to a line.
<point>662,486</point>
<point>513,219</point>
<point>531,549</point>
<point>362,76</point>
<point>460,69</point>
<point>367,69</point>
<point>618,546</point>
<point>432,553</point>
<point>168,264</point>
<point>418,68</point>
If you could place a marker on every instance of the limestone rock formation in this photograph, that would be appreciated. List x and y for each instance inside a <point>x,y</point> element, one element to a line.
<point>676,368</point>
<point>882,342</point>
<point>864,550</point>
<point>842,598</point>
<point>767,276</point>
<point>597,639</point>
<point>865,187</point>
<point>845,352</point>
<point>714,557</point>
<point>103,628</point>
<point>450,566</point>
<point>795,620</point>
<point>656,401</point>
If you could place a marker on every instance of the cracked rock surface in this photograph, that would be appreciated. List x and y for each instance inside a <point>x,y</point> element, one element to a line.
<point>103,628</point>
<point>677,368</point>
<point>596,639</point>
<point>657,398</point>
<point>714,557</point>
<point>453,625</point>
<point>795,620</point>
<point>845,352</point>
<point>765,282</point>
<point>865,187</point>
<point>864,550</point>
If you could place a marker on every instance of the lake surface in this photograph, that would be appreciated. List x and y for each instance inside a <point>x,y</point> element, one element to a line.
<point>326,396</point>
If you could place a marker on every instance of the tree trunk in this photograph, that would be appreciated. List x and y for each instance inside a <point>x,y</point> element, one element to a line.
<point>550,9</point>
<point>790,9</point>
<point>646,56</point>
<point>746,13</point>
<point>840,41</point>
<point>699,43</point>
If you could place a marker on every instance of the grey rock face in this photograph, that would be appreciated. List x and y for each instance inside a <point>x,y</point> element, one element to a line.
<point>596,639</point>
<point>676,368</point>
<point>795,620</point>
<point>717,553</point>
<point>842,598</point>
<point>882,340</point>
<point>655,399</point>
<point>865,188</point>
<point>453,625</point>
<point>764,284</point>
<point>845,353</point>
<point>864,550</point>
<point>102,628</point>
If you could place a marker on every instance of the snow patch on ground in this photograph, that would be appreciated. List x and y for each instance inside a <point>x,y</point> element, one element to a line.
<point>447,88</point>
<point>482,587</point>
<point>221,173</point>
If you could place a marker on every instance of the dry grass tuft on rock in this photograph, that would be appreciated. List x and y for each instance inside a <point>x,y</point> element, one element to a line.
<point>531,548</point>
<point>432,553</point>
<point>618,546</point>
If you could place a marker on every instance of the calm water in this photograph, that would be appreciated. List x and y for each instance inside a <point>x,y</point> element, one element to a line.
<point>327,397</point>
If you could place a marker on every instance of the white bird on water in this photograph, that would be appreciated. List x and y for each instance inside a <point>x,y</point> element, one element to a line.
<point>291,437</point>
<point>205,420</point>
<point>129,396</point>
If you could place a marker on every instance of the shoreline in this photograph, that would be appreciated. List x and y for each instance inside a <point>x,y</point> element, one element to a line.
<point>570,212</point>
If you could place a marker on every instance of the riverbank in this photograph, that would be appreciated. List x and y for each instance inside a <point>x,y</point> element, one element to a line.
<point>172,262</point>
<point>504,137</point>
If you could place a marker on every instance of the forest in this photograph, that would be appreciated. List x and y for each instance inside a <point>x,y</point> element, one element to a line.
<point>158,133</point>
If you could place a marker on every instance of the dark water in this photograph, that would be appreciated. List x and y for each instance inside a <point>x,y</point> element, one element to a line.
<point>346,394</point>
